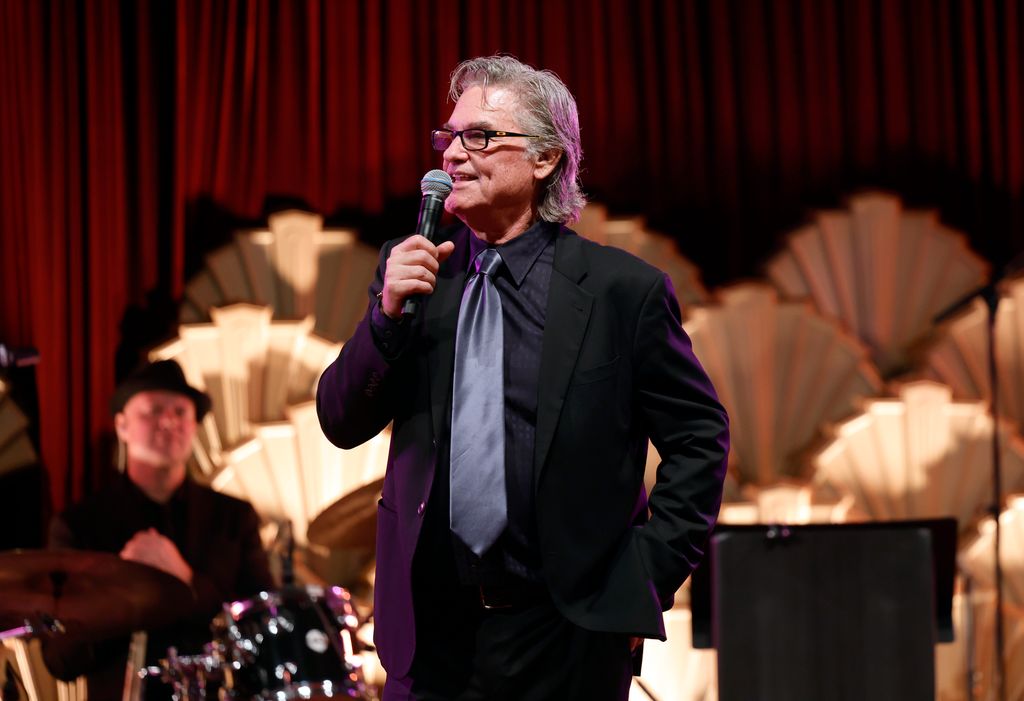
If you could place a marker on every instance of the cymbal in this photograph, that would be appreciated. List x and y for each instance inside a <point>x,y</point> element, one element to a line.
<point>97,593</point>
<point>350,522</point>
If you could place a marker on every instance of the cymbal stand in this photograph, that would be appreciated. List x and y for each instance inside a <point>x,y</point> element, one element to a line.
<point>19,632</point>
<point>45,624</point>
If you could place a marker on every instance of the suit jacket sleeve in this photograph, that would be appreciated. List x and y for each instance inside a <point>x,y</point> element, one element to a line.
<point>689,428</point>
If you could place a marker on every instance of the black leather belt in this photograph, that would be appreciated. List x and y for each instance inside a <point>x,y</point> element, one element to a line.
<point>512,597</point>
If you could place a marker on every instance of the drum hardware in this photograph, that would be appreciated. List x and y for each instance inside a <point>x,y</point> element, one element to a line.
<point>284,544</point>
<point>296,643</point>
<point>28,629</point>
<point>132,689</point>
<point>24,676</point>
<point>190,676</point>
<point>22,631</point>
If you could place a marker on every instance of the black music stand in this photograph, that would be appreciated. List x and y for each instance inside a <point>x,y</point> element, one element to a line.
<point>833,611</point>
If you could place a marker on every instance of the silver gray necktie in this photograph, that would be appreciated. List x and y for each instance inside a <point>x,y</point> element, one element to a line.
<point>479,509</point>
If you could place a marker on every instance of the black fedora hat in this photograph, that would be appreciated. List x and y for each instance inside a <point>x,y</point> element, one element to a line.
<point>164,376</point>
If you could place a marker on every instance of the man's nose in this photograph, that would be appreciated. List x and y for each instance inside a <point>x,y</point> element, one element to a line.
<point>168,418</point>
<point>455,151</point>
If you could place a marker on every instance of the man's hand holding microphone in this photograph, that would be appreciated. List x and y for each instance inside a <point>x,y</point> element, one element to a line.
<point>412,266</point>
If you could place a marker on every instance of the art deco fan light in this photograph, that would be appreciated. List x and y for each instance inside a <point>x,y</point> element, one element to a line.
<point>674,669</point>
<point>781,370</point>
<point>881,270</point>
<point>295,267</point>
<point>958,354</point>
<point>262,440</point>
<point>977,559</point>
<point>16,449</point>
<point>918,455</point>
<point>977,556</point>
<point>631,234</point>
<point>784,502</point>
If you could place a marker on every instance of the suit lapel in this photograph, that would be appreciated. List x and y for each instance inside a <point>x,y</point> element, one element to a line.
<point>440,323</point>
<point>568,312</point>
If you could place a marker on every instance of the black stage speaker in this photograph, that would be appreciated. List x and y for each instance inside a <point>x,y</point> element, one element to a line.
<point>843,612</point>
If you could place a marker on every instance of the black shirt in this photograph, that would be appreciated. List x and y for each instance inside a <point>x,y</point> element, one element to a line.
<point>522,283</point>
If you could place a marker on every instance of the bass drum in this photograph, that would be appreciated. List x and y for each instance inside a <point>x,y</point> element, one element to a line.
<point>296,643</point>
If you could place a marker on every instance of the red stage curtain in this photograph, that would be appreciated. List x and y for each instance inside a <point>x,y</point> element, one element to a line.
<point>123,125</point>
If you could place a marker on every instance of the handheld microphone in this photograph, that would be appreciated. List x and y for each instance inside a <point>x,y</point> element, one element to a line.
<point>436,185</point>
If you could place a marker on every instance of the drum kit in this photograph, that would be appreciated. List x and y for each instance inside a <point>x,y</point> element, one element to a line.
<point>298,642</point>
<point>295,643</point>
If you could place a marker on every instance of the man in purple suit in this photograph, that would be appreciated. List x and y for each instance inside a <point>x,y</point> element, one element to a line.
<point>518,555</point>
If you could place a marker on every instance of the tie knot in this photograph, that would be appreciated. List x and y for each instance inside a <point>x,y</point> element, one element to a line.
<point>488,261</point>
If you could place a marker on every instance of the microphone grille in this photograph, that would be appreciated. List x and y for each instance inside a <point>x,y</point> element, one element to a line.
<point>436,182</point>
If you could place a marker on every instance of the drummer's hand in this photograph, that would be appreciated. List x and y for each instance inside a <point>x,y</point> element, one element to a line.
<point>151,548</point>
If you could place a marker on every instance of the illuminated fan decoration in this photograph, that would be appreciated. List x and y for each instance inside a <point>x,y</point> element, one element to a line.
<point>631,234</point>
<point>781,371</point>
<point>262,440</point>
<point>977,559</point>
<point>16,449</point>
<point>785,502</point>
<point>919,455</point>
<point>290,471</point>
<point>951,657</point>
<point>674,669</point>
<point>296,267</point>
<point>251,366</point>
<point>983,630</point>
<point>959,355</point>
<point>884,272</point>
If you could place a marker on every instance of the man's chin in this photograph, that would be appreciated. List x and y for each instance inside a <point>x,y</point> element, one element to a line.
<point>457,206</point>
<point>161,462</point>
<point>473,217</point>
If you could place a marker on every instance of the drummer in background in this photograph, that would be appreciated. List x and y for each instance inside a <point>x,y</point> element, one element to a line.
<point>154,514</point>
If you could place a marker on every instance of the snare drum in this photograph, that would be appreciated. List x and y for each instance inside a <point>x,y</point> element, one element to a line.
<point>296,643</point>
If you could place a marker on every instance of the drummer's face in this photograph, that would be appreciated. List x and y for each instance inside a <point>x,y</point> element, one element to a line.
<point>158,427</point>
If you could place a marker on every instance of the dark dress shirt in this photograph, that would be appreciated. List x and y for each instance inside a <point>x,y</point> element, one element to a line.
<point>522,283</point>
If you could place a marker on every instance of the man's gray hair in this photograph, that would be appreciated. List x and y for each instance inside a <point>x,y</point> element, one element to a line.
<point>549,112</point>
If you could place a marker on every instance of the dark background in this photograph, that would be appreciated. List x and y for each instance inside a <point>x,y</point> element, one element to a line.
<point>135,136</point>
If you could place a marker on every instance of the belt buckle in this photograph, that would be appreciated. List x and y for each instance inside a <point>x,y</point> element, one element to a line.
<point>491,606</point>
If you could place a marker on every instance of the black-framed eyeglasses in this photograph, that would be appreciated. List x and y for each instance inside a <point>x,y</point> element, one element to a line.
<point>472,139</point>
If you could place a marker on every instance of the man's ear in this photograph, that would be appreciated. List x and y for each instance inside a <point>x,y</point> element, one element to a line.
<point>120,425</point>
<point>546,163</point>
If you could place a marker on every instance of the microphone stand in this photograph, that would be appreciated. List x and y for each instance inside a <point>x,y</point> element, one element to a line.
<point>971,637</point>
<point>991,297</point>
<point>990,294</point>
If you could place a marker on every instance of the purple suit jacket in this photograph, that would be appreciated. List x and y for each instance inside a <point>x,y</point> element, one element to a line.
<point>616,369</point>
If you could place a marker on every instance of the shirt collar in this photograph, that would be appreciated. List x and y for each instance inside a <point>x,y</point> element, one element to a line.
<point>520,253</point>
<point>179,496</point>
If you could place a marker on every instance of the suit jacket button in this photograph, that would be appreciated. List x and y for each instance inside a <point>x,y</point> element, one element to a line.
<point>421,508</point>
